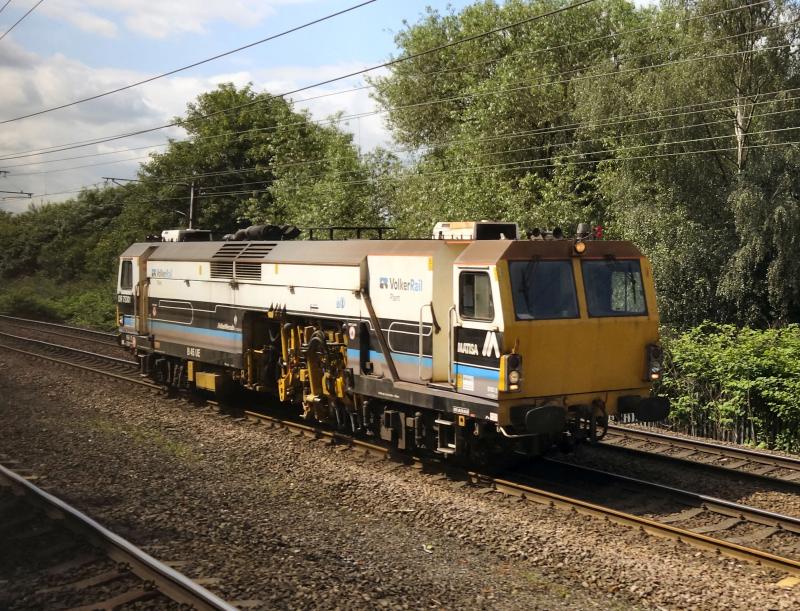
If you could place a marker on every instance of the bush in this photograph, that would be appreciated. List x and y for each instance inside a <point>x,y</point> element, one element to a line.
<point>85,304</point>
<point>736,383</point>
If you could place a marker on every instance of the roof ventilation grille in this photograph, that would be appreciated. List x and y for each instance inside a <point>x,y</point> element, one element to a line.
<point>230,250</point>
<point>222,270</point>
<point>257,251</point>
<point>248,271</point>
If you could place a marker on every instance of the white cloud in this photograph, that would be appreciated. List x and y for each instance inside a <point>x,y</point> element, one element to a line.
<point>73,11</point>
<point>56,79</point>
<point>162,18</point>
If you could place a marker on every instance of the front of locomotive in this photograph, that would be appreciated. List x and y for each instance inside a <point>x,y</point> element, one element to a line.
<point>581,338</point>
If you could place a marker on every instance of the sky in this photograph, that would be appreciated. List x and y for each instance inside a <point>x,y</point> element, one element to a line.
<point>70,49</point>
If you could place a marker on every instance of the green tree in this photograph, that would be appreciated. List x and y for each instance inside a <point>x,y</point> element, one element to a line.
<point>262,162</point>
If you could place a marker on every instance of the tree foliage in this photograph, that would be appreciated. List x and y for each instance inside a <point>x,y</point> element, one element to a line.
<point>721,377</point>
<point>262,163</point>
<point>666,124</point>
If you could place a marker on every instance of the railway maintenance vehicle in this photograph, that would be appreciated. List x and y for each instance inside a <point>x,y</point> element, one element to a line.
<point>473,344</point>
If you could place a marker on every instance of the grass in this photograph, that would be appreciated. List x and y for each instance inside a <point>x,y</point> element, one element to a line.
<point>82,303</point>
<point>146,438</point>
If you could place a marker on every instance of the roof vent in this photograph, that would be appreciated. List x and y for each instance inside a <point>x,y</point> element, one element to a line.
<point>222,270</point>
<point>248,271</point>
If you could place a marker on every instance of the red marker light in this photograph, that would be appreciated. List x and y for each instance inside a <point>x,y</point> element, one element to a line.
<point>598,232</point>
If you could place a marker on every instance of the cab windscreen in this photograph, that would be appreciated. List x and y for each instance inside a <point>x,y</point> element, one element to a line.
<point>614,288</point>
<point>543,289</point>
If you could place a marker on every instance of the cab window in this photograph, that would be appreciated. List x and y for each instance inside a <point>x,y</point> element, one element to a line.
<point>475,290</point>
<point>543,290</point>
<point>126,276</point>
<point>614,288</point>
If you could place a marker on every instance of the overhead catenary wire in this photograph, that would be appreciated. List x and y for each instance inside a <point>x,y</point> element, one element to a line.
<point>461,142</point>
<point>189,66</point>
<point>526,163</point>
<point>355,89</point>
<point>501,136</point>
<point>585,153</point>
<point>347,117</point>
<point>335,79</point>
<point>637,117</point>
<point>276,166</point>
<point>2,8</point>
<point>20,20</point>
<point>499,167</point>
<point>616,72</point>
<point>565,145</point>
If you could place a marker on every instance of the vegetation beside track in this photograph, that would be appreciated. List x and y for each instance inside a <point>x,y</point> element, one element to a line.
<point>84,303</point>
<point>736,384</point>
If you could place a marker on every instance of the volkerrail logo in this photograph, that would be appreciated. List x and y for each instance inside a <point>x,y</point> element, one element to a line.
<point>413,285</point>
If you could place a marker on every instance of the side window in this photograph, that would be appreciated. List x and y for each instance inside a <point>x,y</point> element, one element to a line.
<point>475,296</point>
<point>126,276</point>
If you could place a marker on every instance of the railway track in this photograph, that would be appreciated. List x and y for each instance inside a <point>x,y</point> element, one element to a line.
<point>737,523</point>
<point>750,463</point>
<point>72,561</point>
<point>697,523</point>
<point>123,369</point>
<point>89,335</point>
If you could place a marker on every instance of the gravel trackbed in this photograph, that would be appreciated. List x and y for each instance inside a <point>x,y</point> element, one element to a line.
<point>286,522</point>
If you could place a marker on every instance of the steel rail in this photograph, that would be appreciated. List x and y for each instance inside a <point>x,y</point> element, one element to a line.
<point>168,581</point>
<point>653,527</point>
<point>787,461</point>
<point>83,338</point>
<point>102,357</point>
<point>714,504</point>
<point>751,456</point>
<point>519,489</point>
<point>528,492</point>
<point>59,326</point>
<point>104,372</point>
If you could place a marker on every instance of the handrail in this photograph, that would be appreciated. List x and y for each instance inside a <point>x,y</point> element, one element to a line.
<point>421,331</point>
<point>387,354</point>
<point>451,345</point>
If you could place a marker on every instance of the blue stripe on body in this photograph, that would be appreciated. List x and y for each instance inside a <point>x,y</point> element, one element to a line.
<point>412,359</point>
<point>478,372</point>
<point>235,335</point>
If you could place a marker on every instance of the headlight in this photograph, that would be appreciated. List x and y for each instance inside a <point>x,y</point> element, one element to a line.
<point>655,362</point>
<point>510,372</point>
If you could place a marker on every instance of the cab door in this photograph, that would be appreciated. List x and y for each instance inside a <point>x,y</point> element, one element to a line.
<point>141,284</point>
<point>132,286</point>
<point>127,280</point>
<point>476,336</point>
